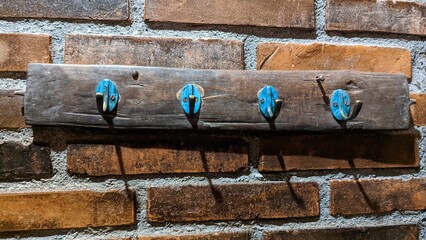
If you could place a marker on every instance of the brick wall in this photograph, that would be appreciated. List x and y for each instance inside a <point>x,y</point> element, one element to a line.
<point>77,183</point>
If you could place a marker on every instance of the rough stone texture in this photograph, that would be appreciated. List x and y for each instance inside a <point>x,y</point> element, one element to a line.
<point>19,162</point>
<point>18,49</point>
<point>418,110</point>
<point>354,151</point>
<point>211,236</point>
<point>11,109</point>
<point>319,56</point>
<point>394,16</point>
<point>279,13</point>
<point>61,210</point>
<point>407,232</point>
<point>102,160</point>
<point>372,196</point>
<point>157,52</point>
<point>272,200</point>
<point>112,10</point>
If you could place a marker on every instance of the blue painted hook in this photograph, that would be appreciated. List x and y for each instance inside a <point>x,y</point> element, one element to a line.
<point>340,105</point>
<point>107,95</point>
<point>269,102</point>
<point>190,99</point>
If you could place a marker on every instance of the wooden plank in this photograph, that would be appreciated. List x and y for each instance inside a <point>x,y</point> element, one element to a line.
<point>230,100</point>
<point>111,10</point>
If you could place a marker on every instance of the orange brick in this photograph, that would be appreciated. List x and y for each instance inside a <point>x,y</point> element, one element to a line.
<point>17,50</point>
<point>61,210</point>
<point>103,160</point>
<point>418,110</point>
<point>319,56</point>
<point>278,13</point>
<point>11,110</point>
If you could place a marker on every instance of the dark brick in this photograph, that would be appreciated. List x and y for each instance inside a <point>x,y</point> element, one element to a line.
<point>295,152</point>
<point>111,10</point>
<point>373,196</point>
<point>389,16</point>
<point>272,200</point>
<point>407,232</point>
<point>19,162</point>
<point>157,52</point>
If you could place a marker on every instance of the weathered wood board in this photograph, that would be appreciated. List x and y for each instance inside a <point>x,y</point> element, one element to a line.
<point>65,95</point>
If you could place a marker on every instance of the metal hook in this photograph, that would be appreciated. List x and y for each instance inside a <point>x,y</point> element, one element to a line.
<point>190,99</point>
<point>107,95</point>
<point>269,102</point>
<point>340,105</point>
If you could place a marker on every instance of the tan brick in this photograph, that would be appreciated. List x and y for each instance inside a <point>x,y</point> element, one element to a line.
<point>11,109</point>
<point>211,236</point>
<point>272,200</point>
<point>279,13</point>
<point>22,162</point>
<point>295,152</point>
<point>319,56</point>
<point>103,160</point>
<point>61,210</point>
<point>111,10</point>
<point>404,232</point>
<point>418,110</point>
<point>393,16</point>
<point>372,196</point>
<point>17,50</point>
<point>158,52</point>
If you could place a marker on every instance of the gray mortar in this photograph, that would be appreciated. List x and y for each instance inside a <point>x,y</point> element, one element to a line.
<point>62,181</point>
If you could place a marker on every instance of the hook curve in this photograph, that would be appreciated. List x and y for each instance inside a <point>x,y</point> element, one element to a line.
<point>340,106</point>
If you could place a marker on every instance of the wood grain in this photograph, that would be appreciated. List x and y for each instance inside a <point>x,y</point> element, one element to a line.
<point>230,100</point>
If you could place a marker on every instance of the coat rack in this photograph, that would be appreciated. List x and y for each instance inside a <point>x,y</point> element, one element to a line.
<point>167,98</point>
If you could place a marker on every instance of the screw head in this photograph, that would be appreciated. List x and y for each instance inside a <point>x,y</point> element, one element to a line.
<point>185,99</point>
<point>334,104</point>
<point>112,98</point>
<point>262,100</point>
<point>346,104</point>
<point>135,75</point>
